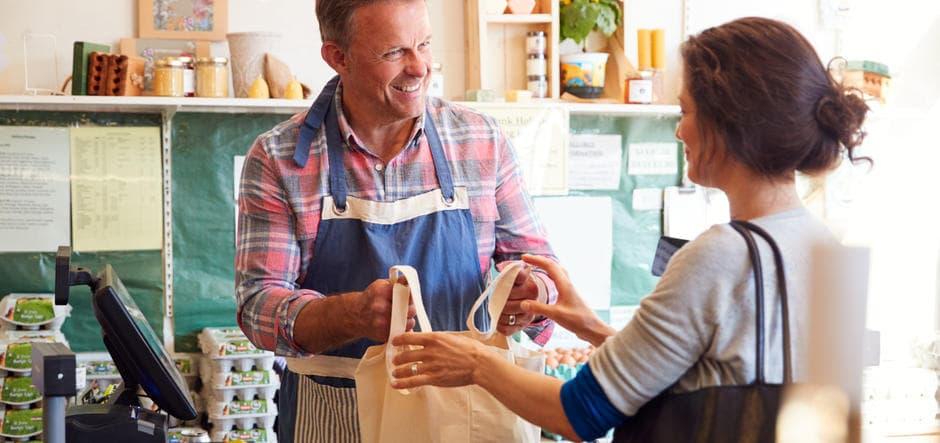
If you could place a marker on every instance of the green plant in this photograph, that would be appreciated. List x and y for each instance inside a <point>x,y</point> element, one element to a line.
<point>580,17</point>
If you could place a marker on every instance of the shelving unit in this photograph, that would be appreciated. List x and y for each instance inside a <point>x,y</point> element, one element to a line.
<point>496,54</point>
<point>268,106</point>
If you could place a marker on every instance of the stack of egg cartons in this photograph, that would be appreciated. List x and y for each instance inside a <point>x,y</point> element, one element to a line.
<point>24,320</point>
<point>239,384</point>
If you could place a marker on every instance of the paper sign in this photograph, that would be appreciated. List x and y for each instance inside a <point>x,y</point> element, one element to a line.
<point>539,134</point>
<point>34,188</point>
<point>579,230</point>
<point>117,201</point>
<point>594,161</point>
<point>238,163</point>
<point>653,159</point>
<point>647,199</point>
<point>687,212</point>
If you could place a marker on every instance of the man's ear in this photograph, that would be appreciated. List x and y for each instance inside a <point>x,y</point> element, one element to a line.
<point>335,56</point>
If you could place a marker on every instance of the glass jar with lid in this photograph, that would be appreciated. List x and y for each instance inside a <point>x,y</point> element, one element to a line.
<point>212,77</point>
<point>168,78</point>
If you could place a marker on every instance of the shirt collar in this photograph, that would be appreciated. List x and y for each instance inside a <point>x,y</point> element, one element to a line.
<point>350,137</point>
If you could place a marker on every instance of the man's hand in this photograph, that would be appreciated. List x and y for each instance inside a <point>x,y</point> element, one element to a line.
<point>371,311</point>
<point>514,318</point>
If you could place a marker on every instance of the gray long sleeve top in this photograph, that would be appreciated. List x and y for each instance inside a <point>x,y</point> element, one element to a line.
<point>697,328</point>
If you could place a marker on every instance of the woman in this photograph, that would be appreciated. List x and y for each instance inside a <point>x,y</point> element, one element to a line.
<point>757,106</point>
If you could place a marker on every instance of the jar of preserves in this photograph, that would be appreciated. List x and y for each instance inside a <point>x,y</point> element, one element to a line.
<point>212,77</point>
<point>168,78</point>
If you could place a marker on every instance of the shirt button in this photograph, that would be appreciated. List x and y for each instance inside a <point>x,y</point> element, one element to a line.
<point>379,167</point>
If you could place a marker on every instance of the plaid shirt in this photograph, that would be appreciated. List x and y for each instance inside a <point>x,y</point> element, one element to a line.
<point>279,210</point>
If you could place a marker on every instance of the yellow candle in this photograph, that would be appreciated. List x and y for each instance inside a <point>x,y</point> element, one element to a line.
<point>659,49</point>
<point>644,47</point>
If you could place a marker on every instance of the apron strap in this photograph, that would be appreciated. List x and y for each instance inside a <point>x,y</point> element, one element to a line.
<point>336,151</point>
<point>323,112</point>
<point>313,121</point>
<point>444,178</point>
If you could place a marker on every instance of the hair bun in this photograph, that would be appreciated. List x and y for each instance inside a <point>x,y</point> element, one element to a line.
<point>841,114</point>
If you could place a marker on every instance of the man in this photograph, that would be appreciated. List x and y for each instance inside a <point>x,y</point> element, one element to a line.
<point>375,174</point>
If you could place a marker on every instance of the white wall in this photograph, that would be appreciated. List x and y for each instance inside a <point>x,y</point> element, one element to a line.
<point>107,21</point>
<point>295,19</point>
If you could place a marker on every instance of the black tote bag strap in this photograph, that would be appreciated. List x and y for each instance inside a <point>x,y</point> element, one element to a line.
<point>744,228</point>
<point>784,298</point>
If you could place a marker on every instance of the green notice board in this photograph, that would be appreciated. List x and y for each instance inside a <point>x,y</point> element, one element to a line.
<point>204,146</point>
<point>635,233</point>
<point>141,271</point>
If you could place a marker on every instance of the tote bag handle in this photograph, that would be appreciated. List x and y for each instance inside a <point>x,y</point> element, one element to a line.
<point>745,228</point>
<point>401,293</point>
<point>498,292</point>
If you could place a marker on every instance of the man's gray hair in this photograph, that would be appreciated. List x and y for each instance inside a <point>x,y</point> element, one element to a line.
<point>335,18</point>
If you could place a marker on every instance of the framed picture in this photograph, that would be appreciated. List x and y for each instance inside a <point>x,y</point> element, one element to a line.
<point>183,19</point>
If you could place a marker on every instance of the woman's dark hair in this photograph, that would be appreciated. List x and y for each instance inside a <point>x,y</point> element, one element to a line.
<point>758,85</point>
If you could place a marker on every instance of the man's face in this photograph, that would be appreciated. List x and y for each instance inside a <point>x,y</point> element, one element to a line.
<point>389,59</point>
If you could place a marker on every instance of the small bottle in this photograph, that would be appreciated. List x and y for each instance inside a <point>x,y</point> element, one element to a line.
<point>538,84</point>
<point>189,76</point>
<point>536,65</point>
<point>639,89</point>
<point>436,88</point>
<point>535,42</point>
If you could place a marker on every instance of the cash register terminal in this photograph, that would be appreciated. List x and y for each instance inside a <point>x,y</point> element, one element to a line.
<point>138,355</point>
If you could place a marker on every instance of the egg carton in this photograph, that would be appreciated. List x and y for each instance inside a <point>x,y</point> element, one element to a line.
<point>18,391</point>
<point>8,310</point>
<point>178,434</point>
<point>245,385</point>
<point>16,351</point>
<point>242,414</point>
<point>256,435</point>
<point>21,423</point>
<point>228,342</point>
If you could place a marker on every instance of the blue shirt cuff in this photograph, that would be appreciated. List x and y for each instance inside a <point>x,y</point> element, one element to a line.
<point>587,407</point>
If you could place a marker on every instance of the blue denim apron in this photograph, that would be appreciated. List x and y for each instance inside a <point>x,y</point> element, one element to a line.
<point>357,242</point>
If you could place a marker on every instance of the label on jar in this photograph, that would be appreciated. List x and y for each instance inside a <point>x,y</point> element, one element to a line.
<point>436,87</point>
<point>539,87</point>
<point>535,65</point>
<point>639,90</point>
<point>189,82</point>
<point>535,44</point>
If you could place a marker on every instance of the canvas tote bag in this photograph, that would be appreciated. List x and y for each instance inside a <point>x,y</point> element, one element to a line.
<point>430,413</point>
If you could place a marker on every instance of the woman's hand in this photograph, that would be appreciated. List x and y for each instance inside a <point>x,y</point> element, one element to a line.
<point>569,310</point>
<point>447,360</point>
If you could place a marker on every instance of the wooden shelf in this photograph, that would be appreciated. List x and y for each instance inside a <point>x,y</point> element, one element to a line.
<point>519,18</point>
<point>69,103</point>
<point>151,104</point>
<point>496,46</point>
